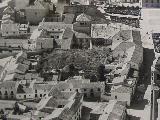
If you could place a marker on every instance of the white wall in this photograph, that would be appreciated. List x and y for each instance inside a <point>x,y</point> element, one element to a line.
<point>122,97</point>
<point>3,89</point>
<point>21,96</point>
<point>21,4</point>
<point>34,16</point>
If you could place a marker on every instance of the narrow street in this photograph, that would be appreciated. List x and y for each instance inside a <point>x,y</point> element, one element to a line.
<point>141,110</point>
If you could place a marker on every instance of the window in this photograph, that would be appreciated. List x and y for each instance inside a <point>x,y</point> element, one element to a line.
<point>82,23</point>
<point>6,32</point>
<point>6,93</point>
<point>35,91</point>
<point>92,94</point>
<point>13,32</point>
<point>60,106</point>
<point>76,90</point>
<point>35,13</point>
<point>12,93</point>
<point>6,97</point>
<point>116,97</point>
<point>57,37</point>
<point>40,95</point>
<point>24,96</point>
<point>99,89</point>
<point>85,95</point>
<point>91,90</point>
<point>35,95</point>
<point>85,90</point>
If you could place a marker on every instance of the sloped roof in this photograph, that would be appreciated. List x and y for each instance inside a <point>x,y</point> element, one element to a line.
<point>52,102</point>
<point>23,68</point>
<point>137,56</point>
<point>54,25</point>
<point>1,69</point>
<point>10,27</point>
<point>38,5</point>
<point>137,37</point>
<point>9,77</point>
<point>67,114</point>
<point>123,46</point>
<point>69,18</point>
<point>81,35</point>
<point>8,84</point>
<point>8,10</point>
<point>83,17</point>
<point>55,92</point>
<point>67,38</point>
<point>63,86</point>
<point>42,87</point>
<point>123,89</point>
<point>118,111</point>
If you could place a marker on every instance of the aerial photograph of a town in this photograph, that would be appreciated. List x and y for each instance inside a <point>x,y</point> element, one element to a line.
<point>79,59</point>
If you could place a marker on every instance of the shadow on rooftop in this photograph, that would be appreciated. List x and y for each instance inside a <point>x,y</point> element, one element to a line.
<point>148,58</point>
<point>139,105</point>
<point>133,118</point>
<point>85,113</point>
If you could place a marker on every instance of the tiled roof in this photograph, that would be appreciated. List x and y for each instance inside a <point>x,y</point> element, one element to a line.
<point>25,91</point>
<point>8,10</point>
<point>23,68</point>
<point>81,35</point>
<point>62,86</point>
<point>8,84</point>
<point>38,5</point>
<point>137,55</point>
<point>67,114</point>
<point>67,95</point>
<point>17,117</point>
<point>123,46</point>
<point>67,38</point>
<point>54,25</point>
<point>83,17</point>
<point>118,111</point>
<point>123,89</point>
<point>137,37</point>
<point>81,84</point>
<point>1,69</point>
<point>10,27</point>
<point>69,18</point>
<point>55,93</point>
<point>52,102</point>
<point>42,87</point>
<point>9,77</point>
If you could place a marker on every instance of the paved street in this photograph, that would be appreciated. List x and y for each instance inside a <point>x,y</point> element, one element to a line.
<point>149,24</point>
